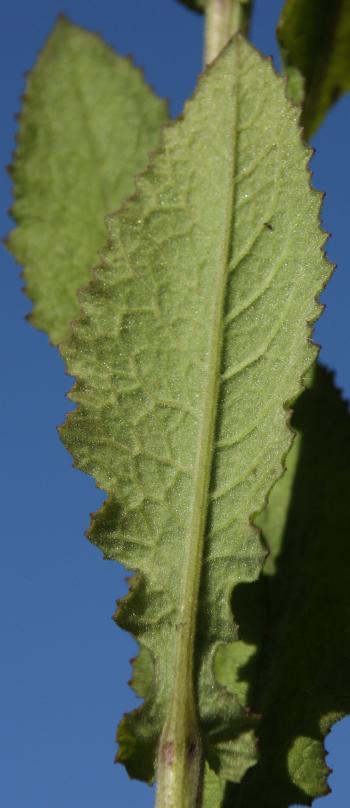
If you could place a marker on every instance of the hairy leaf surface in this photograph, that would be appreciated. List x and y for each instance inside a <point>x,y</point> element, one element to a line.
<point>193,337</point>
<point>87,126</point>
<point>314,36</point>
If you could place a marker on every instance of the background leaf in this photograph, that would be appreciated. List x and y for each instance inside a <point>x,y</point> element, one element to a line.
<point>195,5</point>
<point>87,126</point>
<point>314,36</point>
<point>193,336</point>
<point>298,659</point>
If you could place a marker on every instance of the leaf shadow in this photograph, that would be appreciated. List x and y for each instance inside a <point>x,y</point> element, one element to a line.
<point>298,613</point>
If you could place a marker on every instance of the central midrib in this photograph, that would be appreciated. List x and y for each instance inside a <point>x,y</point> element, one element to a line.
<point>183,692</point>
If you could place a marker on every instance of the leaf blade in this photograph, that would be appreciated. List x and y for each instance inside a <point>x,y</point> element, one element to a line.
<point>170,381</point>
<point>314,41</point>
<point>89,118</point>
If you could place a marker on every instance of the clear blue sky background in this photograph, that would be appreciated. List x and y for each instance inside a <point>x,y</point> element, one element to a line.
<point>64,664</point>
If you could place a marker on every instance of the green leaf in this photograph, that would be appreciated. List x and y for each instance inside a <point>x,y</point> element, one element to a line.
<point>193,338</point>
<point>87,126</point>
<point>314,36</point>
<point>299,667</point>
<point>195,5</point>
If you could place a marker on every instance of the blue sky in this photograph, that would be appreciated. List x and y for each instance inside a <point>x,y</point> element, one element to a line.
<point>65,665</point>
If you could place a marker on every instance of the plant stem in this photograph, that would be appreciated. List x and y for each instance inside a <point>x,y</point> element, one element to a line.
<point>180,763</point>
<point>224,18</point>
